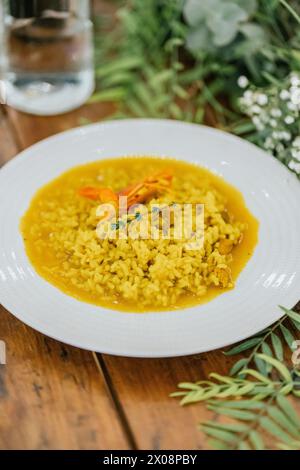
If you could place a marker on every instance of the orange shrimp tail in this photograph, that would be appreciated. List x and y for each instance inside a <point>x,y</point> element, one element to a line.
<point>98,194</point>
<point>89,193</point>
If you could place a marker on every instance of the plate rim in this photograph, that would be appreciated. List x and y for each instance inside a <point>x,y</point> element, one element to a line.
<point>91,127</point>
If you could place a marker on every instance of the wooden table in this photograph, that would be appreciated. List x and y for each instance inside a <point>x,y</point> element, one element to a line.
<point>54,396</point>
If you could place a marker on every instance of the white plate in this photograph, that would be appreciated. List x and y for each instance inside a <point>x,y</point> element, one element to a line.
<point>272,276</point>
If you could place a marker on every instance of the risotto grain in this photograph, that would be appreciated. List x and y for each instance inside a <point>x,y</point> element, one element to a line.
<point>59,231</point>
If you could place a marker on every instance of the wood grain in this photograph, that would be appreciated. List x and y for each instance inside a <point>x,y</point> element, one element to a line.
<point>52,396</point>
<point>56,396</point>
<point>142,387</point>
<point>8,145</point>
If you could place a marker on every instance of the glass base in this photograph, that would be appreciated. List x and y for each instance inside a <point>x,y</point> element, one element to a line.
<point>47,95</point>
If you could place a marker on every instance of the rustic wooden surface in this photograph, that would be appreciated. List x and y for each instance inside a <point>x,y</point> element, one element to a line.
<point>53,396</point>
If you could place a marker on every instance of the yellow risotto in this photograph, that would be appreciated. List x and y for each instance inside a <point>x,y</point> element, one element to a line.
<point>138,275</point>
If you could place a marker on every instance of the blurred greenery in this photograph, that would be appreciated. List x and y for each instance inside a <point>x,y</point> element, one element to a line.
<point>182,58</point>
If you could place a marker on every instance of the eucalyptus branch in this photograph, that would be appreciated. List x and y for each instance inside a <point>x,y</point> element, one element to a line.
<point>256,402</point>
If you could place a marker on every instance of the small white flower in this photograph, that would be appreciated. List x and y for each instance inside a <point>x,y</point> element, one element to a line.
<point>296,142</point>
<point>248,98</point>
<point>255,109</point>
<point>273,122</point>
<point>248,94</point>
<point>285,135</point>
<point>295,80</point>
<point>295,96</point>
<point>243,81</point>
<point>289,119</point>
<point>276,112</point>
<point>279,148</point>
<point>269,143</point>
<point>262,99</point>
<point>294,166</point>
<point>296,154</point>
<point>284,95</point>
<point>292,106</point>
<point>258,124</point>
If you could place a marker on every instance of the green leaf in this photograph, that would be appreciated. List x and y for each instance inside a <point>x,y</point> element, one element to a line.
<point>240,364</point>
<point>196,12</point>
<point>122,64</point>
<point>188,386</point>
<point>175,111</point>
<point>282,369</point>
<point>277,415</point>
<point>243,446</point>
<point>225,436</point>
<point>121,78</point>
<point>177,394</point>
<point>245,389</point>
<point>291,314</point>
<point>145,96</point>
<point>296,325</point>
<point>290,10</point>
<point>256,440</point>
<point>217,445</point>
<point>233,413</point>
<point>293,446</point>
<point>112,94</point>
<point>230,391</point>
<point>233,427</point>
<point>262,367</point>
<point>199,39</point>
<point>266,349</point>
<point>136,108</point>
<point>211,393</point>
<point>241,404</point>
<point>289,410</point>
<point>223,22</point>
<point>249,6</point>
<point>180,92</point>
<point>248,344</point>
<point>274,429</point>
<point>289,338</point>
<point>277,345</point>
<point>286,389</point>
<point>161,78</point>
<point>256,375</point>
<point>222,378</point>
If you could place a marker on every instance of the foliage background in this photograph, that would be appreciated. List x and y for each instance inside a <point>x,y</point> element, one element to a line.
<point>182,59</point>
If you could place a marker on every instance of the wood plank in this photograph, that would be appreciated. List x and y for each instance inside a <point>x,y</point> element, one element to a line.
<point>52,396</point>
<point>8,146</point>
<point>30,129</point>
<point>142,387</point>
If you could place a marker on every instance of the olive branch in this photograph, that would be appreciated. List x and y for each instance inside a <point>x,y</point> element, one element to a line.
<point>254,397</point>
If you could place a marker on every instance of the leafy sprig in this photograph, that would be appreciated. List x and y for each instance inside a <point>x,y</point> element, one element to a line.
<point>257,422</point>
<point>254,397</point>
<point>270,341</point>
